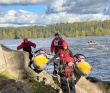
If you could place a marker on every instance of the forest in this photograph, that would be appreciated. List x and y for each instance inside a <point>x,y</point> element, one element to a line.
<point>77,29</point>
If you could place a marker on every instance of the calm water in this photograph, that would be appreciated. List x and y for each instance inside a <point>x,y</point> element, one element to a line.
<point>97,55</point>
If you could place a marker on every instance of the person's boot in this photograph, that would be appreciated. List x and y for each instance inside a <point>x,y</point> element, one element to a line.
<point>54,72</point>
<point>30,63</point>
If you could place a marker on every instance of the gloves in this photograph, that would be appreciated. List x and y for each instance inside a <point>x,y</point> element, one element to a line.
<point>34,46</point>
<point>47,63</point>
<point>17,49</point>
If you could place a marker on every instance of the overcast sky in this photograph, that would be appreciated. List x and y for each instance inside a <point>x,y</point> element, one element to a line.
<point>14,13</point>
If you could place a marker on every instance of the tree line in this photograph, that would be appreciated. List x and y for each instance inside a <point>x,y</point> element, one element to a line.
<point>77,29</point>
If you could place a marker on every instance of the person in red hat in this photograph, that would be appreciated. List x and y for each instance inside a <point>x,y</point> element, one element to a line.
<point>66,73</point>
<point>63,54</point>
<point>56,45</point>
<point>26,46</point>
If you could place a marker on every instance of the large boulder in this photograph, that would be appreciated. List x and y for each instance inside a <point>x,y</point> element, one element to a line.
<point>94,79</point>
<point>85,86</point>
<point>16,62</point>
<point>2,61</point>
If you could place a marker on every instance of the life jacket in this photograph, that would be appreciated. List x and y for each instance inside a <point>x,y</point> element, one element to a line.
<point>68,72</point>
<point>65,55</point>
<point>57,42</point>
<point>27,47</point>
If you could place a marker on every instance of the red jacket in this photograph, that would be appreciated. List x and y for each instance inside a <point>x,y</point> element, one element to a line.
<point>57,45</point>
<point>26,46</point>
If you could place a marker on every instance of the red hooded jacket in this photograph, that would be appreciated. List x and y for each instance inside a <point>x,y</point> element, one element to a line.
<point>26,46</point>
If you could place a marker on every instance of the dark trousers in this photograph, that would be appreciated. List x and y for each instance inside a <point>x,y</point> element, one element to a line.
<point>77,76</point>
<point>55,67</point>
<point>30,57</point>
<point>65,87</point>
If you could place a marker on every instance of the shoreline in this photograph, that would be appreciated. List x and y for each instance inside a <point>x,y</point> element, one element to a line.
<point>62,37</point>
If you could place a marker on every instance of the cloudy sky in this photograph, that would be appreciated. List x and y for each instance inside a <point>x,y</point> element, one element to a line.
<point>15,13</point>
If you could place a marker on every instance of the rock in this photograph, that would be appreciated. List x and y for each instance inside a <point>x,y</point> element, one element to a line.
<point>11,90</point>
<point>27,89</point>
<point>12,85</point>
<point>85,86</point>
<point>20,84</point>
<point>17,87</point>
<point>7,81</point>
<point>37,77</point>
<point>44,78</point>
<point>16,62</point>
<point>94,79</point>
<point>109,91</point>
<point>2,61</point>
<point>47,76</point>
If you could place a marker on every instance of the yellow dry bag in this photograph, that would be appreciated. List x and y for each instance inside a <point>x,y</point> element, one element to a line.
<point>40,62</point>
<point>83,68</point>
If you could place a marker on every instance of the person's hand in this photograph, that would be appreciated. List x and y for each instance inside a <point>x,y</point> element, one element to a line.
<point>34,46</point>
<point>47,62</point>
<point>70,64</point>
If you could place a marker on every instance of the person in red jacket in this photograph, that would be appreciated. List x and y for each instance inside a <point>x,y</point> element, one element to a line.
<point>66,72</point>
<point>26,46</point>
<point>63,54</point>
<point>56,45</point>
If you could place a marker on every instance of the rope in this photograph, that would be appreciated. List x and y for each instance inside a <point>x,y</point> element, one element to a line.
<point>66,76</point>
